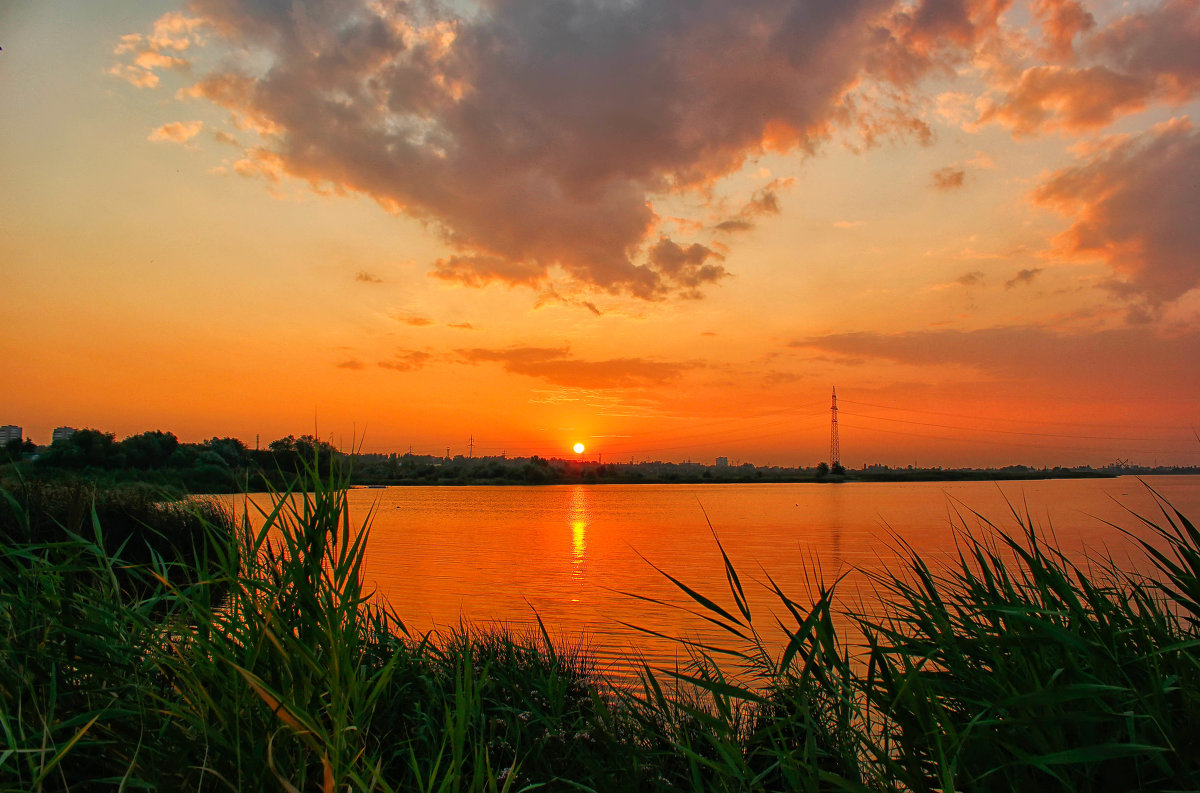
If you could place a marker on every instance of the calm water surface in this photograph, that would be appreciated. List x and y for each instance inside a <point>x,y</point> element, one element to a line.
<point>483,555</point>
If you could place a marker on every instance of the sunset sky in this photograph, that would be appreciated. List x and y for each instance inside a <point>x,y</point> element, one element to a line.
<point>664,229</point>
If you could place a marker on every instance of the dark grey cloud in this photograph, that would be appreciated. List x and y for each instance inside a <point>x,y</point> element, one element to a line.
<point>1023,277</point>
<point>951,177</point>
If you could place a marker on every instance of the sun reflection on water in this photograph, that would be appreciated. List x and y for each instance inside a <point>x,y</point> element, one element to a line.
<point>579,519</point>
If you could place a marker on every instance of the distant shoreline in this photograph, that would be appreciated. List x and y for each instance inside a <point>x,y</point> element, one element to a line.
<point>857,477</point>
<point>157,459</point>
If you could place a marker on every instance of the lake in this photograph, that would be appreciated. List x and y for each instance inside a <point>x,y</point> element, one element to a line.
<point>484,555</point>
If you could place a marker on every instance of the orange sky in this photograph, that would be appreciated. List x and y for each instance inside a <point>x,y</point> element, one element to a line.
<point>665,230</point>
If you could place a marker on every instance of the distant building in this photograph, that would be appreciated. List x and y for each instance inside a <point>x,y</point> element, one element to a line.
<point>10,432</point>
<point>62,433</point>
<point>722,462</point>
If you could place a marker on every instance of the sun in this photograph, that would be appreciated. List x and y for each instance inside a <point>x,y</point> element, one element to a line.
<point>579,448</point>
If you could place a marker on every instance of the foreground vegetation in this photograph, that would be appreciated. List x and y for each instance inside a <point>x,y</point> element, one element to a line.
<point>255,660</point>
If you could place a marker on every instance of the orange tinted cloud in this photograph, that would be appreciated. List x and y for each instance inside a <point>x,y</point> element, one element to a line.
<point>412,319</point>
<point>172,34</point>
<point>931,35</point>
<point>1133,206</point>
<point>1110,362</point>
<point>555,365</point>
<point>406,360</point>
<point>1057,97</point>
<point>1062,21</point>
<point>1150,55</point>
<point>177,131</point>
<point>949,178</point>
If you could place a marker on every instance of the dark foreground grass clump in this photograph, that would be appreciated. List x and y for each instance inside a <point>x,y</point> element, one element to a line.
<point>262,664</point>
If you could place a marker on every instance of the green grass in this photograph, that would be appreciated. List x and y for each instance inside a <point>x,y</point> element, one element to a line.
<point>255,660</point>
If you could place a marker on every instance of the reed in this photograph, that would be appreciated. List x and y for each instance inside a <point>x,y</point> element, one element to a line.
<point>1013,668</point>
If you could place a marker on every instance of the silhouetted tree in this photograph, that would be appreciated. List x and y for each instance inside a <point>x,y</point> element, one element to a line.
<point>149,449</point>
<point>14,449</point>
<point>84,449</point>
<point>231,450</point>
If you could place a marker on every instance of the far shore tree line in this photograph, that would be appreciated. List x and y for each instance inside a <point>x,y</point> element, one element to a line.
<point>226,464</point>
<point>216,465</point>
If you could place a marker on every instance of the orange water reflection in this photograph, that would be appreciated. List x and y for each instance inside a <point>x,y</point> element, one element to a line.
<point>578,554</point>
<point>579,524</point>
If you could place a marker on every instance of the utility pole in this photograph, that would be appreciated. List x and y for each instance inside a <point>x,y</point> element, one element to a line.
<point>835,447</point>
<point>471,447</point>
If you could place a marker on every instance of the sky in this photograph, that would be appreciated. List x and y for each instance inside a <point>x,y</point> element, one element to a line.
<point>665,229</point>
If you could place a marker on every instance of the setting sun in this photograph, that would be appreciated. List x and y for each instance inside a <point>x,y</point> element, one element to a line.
<point>579,448</point>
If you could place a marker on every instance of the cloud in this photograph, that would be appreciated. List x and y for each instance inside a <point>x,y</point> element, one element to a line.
<point>734,225</point>
<point>1146,56</point>
<point>537,137</point>
<point>849,224</point>
<point>931,36</point>
<point>1022,277</point>
<point>406,360</point>
<point>1162,41</point>
<point>687,266</point>
<point>415,320</point>
<point>260,162</point>
<point>351,364</point>
<point>1070,99</point>
<point>534,134</point>
<point>460,325</point>
<point>1133,204</point>
<point>764,201</point>
<point>363,276</point>
<point>177,131</point>
<point>973,278</point>
<point>949,178</point>
<point>149,61</point>
<point>1062,21</point>
<point>481,270</point>
<point>550,295</point>
<point>1117,359</point>
<point>555,365</point>
<point>172,34</point>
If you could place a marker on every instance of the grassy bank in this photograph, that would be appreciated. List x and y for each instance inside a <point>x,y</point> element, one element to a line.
<point>256,661</point>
